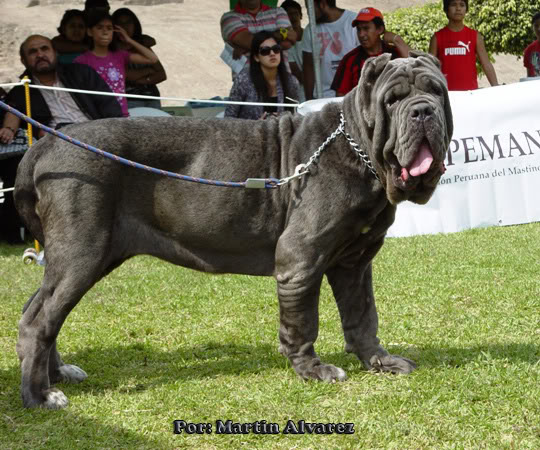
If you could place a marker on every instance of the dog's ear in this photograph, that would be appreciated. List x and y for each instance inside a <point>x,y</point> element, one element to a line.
<point>427,57</point>
<point>373,67</point>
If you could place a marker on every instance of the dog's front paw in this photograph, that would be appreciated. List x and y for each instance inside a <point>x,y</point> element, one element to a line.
<point>72,374</point>
<point>390,363</point>
<point>54,399</point>
<point>330,373</point>
<point>324,372</point>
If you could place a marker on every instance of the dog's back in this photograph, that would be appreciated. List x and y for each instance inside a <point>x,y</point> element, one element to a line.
<point>189,224</point>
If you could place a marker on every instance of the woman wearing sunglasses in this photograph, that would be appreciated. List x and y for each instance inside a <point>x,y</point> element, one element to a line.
<point>265,79</point>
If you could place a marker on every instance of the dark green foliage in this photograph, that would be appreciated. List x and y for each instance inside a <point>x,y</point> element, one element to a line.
<point>417,24</point>
<point>505,25</point>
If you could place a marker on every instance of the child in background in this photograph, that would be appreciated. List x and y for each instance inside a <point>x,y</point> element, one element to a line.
<point>457,47</point>
<point>141,79</point>
<point>531,55</point>
<point>72,39</point>
<point>106,60</point>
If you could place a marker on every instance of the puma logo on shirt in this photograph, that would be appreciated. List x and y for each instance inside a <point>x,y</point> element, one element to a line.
<point>463,49</point>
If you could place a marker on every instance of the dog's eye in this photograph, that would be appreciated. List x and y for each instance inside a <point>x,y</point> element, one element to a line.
<point>430,85</point>
<point>394,96</point>
<point>391,101</point>
<point>436,88</point>
<point>433,86</point>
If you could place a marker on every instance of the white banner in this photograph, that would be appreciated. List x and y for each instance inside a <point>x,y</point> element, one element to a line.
<point>493,164</point>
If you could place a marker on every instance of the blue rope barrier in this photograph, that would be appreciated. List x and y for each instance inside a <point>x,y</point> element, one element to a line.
<point>256,183</point>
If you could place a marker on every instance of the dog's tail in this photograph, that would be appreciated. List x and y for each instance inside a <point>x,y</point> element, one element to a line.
<point>26,198</point>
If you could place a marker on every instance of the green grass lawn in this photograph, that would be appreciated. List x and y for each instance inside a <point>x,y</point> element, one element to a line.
<point>160,343</point>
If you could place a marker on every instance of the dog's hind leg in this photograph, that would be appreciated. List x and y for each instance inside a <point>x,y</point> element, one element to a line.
<point>74,264</point>
<point>353,290</point>
<point>58,371</point>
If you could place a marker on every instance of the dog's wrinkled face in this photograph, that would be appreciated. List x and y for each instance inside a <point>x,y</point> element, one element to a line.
<point>407,115</point>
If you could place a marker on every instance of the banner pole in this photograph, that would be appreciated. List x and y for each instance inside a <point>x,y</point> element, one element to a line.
<point>315,49</point>
<point>26,82</point>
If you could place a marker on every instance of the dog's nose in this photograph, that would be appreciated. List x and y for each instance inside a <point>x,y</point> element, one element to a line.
<point>421,112</point>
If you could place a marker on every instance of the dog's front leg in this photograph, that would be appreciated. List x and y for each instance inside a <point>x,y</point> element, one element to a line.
<point>353,290</point>
<point>299,282</point>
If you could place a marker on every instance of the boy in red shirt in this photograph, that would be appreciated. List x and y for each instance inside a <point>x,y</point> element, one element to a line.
<point>374,41</point>
<point>457,47</point>
<point>531,56</point>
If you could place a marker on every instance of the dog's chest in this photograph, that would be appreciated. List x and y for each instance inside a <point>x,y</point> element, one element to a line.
<point>365,236</point>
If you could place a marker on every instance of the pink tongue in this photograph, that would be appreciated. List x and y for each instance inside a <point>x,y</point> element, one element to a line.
<point>404,174</point>
<point>422,162</point>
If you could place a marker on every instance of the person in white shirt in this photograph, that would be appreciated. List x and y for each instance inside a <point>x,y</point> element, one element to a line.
<point>336,37</point>
<point>294,11</point>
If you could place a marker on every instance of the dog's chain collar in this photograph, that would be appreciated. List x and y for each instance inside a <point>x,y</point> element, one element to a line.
<point>303,169</point>
<point>356,148</point>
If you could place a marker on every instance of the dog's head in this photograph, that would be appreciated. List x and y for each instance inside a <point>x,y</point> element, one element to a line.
<point>402,112</point>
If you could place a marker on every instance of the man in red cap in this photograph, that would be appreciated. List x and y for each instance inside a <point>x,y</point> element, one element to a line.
<point>374,41</point>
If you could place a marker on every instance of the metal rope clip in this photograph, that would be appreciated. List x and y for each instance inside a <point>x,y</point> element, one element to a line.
<point>299,170</point>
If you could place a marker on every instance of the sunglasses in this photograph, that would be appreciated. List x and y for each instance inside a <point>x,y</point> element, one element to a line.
<point>265,51</point>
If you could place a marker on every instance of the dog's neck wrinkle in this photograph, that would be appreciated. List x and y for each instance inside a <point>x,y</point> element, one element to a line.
<point>360,134</point>
<point>348,158</point>
<point>364,136</point>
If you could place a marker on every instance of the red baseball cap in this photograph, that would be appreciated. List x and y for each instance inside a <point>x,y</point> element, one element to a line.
<point>367,15</point>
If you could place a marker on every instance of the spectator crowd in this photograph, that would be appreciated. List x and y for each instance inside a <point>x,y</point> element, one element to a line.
<point>93,51</point>
<point>116,49</point>
<point>344,41</point>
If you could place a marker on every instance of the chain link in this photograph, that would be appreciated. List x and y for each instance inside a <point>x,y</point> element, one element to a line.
<point>303,169</point>
<point>359,152</point>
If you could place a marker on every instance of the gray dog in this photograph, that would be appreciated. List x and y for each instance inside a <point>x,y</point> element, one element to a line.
<point>92,214</point>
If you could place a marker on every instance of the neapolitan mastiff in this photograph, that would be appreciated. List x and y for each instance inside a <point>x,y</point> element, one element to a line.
<point>92,214</point>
